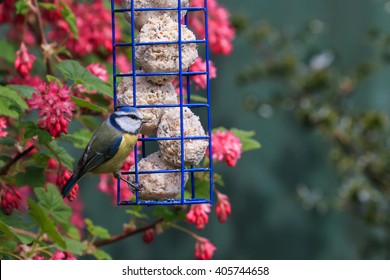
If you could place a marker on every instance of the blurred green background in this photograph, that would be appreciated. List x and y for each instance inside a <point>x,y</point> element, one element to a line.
<point>268,219</point>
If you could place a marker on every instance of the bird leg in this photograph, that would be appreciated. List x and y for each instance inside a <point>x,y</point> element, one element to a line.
<point>118,175</point>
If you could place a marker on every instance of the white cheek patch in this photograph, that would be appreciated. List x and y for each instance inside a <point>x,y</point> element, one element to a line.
<point>126,124</point>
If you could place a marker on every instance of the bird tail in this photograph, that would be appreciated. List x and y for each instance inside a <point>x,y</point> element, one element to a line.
<point>67,188</point>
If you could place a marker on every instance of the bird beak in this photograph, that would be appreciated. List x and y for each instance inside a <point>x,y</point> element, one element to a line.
<point>144,120</point>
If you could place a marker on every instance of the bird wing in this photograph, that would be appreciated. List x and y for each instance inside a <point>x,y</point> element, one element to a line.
<point>97,152</point>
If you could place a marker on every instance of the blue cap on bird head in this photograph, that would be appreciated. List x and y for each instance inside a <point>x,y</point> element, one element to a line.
<point>127,109</point>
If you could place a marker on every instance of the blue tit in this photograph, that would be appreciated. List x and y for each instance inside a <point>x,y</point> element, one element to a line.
<point>109,146</point>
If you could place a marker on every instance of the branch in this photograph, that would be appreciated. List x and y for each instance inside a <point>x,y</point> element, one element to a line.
<point>4,170</point>
<point>126,234</point>
<point>35,9</point>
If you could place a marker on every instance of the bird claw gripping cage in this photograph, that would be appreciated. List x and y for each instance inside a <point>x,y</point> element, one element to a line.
<point>162,48</point>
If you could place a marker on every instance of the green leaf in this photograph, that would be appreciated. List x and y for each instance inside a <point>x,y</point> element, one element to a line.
<point>220,128</point>
<point>11,233</point>
<point>48,6</point>
<point>15,220</point>
<point>70,19</point>
<point>8,50</point>
<point>53,203</point>
<point>91,122</point>
<point>11,94</point>
<point>40,216</point>
<point>7,109</point>
<point>86,104</point>
<point>7,141</point>
<point>51,78</point>
<point>168,214</point>
<point>75,247</point>
<point>250,144</point>
<point>136,212</point>
<point>198,98</point>
<point>25,91</point>
<point>72,232</point>
<point>21,7</point>
<point>79,138</point>
<point>40,159</point>
<point>11,104</point>
<point>34,177</point>
<point>202,189</point>
<point>32,129</point>
<point>72,70</point>
<point>64,156</point>
<point>101,255</point>
<point>246,139</point>
<point>96,230</point>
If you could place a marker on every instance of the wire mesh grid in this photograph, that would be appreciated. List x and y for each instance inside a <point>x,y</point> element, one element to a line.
<point>191,197</point>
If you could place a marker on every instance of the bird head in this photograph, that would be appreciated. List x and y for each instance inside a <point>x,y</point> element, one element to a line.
<point>127,119</point>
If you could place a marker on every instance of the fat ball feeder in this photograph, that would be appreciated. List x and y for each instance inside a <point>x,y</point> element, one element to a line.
<point>162,49</point>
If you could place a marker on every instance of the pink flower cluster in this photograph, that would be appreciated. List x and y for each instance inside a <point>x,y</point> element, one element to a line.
<point>198,215</point>
<point>94,28</point>
<point>55,107</point>
<point>223,208</point>
<point>63,255</point>
<point>10,200</point>
<point>199,80</point>
<point>59,177</point>
<point>3,126</point>
<point>24,61</point>
<point>200,66</point>
<point>221,33</point>
<point>99,71</point>
<point>58,255</point>
<point>204,249</point>
<point>6,9</point>
<point>226,147</point>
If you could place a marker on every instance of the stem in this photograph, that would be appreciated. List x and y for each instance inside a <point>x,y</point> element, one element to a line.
<point>125,234</point>
<point>42,35</point>
<point>194,235</point>
<point>11,254</point>
<point>4,170</point>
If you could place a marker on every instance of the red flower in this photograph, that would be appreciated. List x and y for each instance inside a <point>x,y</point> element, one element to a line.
<point>37,257</point>
<point>10,200</point>
<point>61,181</point>
<point>32,81</point>
<point>60,177</point>
<point>198,215</point>
<point>221,33</point>
<point>122,62</point>
<point>24,61</point>
<point>223,208</point>
<point>199,80</point>
<point>94,29</point>
<point>62,255</point>
<point>200,66</point>
<point>226,147</point>
<point>99,71</point>
<point>6,11</point>
<point>204,249</point>
<point>148,236</point>
<point>3,126</point>
<point>55,107</point>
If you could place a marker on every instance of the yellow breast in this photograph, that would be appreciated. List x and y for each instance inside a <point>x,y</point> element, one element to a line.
<point>116,162</point>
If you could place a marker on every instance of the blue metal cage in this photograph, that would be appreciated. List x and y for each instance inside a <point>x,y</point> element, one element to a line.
<point>193,197</point>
